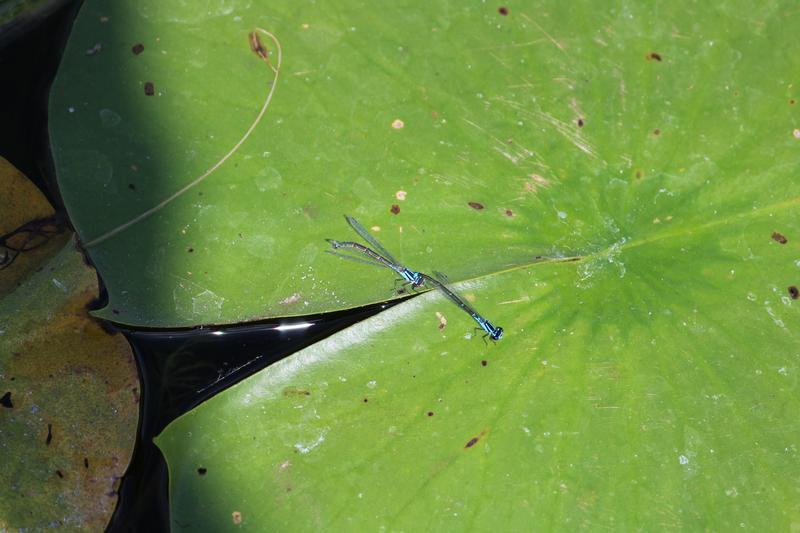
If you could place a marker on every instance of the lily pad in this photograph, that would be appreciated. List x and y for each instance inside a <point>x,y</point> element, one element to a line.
<point>205,150</point>
<point>30,229</point>
<point>650,383</point>
<point>68,388</point>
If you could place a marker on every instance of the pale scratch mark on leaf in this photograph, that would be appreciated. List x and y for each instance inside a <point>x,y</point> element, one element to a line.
<point>276,69</point>
<point>452,179</point>
<point>524,299</point>
<point>567,130</point>
<point>569,82</point>
<point>511,45</point>
<point>536,182</point>
<point>569,133</point>
<point>512,154</point>
<point>622,91</point>
<point>514,159</point>
<point>500,60</point>
<point>526,85</point>
<point>549,37</point>
<point>576,108</point>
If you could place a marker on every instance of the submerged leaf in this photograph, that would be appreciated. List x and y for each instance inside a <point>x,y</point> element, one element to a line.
<point>69,391</point>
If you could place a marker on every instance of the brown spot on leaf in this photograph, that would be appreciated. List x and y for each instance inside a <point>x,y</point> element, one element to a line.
<point>137,49</point>
<point>656,131</point>
<point>638,174</point>
<point>5,401</point>
<point>202,471</point>
<point>509,213</point>
<point>503,10</point>
<point>580,122</point>
<point>779,238</point>
<point>86,462</point>
<point>794,292</point>
<point>149,88</point>
<point>430,413</point>
<point>484,362</point>
<point>366,400</point>
<point>49,438</point>
<point>236,516</point>
<point>654,56</point>
<point>395,209</point>
<point>476,205</point>
<point>257,47</point>
<point>471,442</point>
<point>190,249</point>
<point>60,474</point>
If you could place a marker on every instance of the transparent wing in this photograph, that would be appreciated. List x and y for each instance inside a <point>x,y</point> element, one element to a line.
<point>441,282</point>
<point>361,230</point>
<point>441,277</point>
<point>358,259</point>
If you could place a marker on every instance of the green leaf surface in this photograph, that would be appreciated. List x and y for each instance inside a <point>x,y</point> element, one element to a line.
<point>509,136</point>
<point>652,383</point>
<point>68,388</point>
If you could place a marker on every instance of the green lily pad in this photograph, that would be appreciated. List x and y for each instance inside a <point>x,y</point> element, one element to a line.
<point>610,402</point>
<point>651,383</point>
<point>68,388</point>
<point>491,137</point>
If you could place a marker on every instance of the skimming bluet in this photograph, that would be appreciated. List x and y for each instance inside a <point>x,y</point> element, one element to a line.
<point>493,332</point>
<point>382,257</point>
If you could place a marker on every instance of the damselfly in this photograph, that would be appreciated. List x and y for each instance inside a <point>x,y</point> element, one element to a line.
<point>381,258</point>
<point>493,332</point>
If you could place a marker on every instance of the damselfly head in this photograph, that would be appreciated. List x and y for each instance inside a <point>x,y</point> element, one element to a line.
<point>334,243</point>
<point>497,334</point>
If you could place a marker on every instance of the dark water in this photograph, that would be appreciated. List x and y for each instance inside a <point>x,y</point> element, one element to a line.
<point>178,369</point>
<point>28,65</point>
<point>181,369</point>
